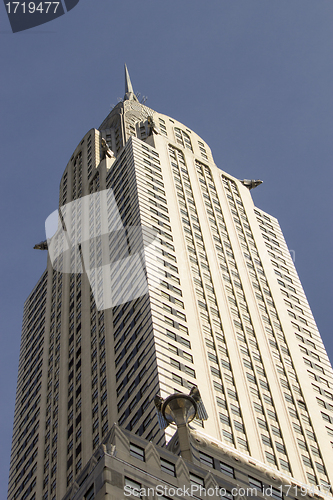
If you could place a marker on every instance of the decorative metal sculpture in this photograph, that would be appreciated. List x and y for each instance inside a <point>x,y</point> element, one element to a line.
<point>250,184</point>
<point>41,246</point>
<point>180,409</point>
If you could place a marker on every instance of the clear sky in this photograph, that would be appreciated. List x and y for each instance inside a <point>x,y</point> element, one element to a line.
<point>253,78</point>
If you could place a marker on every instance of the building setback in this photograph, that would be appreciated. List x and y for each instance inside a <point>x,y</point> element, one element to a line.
<point>127,466</point>
<point>224,310</point>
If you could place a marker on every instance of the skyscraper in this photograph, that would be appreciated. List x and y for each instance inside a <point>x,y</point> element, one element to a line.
<point>218,305</point>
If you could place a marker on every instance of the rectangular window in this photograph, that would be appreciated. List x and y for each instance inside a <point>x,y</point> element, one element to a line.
<point>168,467</point>
<point>271,414</point>
<point>224,419</point>
<point>137,452</point>
<point>175,363</point>
<point>255,483</point>
<point>206,459</point>
<point>227,469</point>
<point>320,468</point>
<point>190,371</point>
<point>218,387</point>
<point>177,379</point>
<point>266,440</point>
<point>311,478</point>
<point>284,465</point>
<point>239,426</point>
<point>90,493</point>
<point>276,494</point>
<point>194,479</point>
<point>280,448</point>
<point>215,372</point>
<point>132,487</point>
<point>270,457</point>
<point>258,407</point>
<point>262,423</point>
<point>275,430</point>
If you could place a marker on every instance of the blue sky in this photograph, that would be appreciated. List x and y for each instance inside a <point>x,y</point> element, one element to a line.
<point>253,78</point>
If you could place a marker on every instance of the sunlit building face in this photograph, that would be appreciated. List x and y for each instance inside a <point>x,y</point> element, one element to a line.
<point>217,304</point>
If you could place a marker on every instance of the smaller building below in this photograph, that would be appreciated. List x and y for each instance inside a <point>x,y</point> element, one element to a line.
<point>127,466</point>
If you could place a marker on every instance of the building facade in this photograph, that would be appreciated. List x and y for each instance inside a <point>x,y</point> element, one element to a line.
<point>128,466</point>
<point>223,310</point>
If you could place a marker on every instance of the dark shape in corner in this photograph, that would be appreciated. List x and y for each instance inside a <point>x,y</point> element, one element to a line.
<point>26,15</point>
<point>70,4</point>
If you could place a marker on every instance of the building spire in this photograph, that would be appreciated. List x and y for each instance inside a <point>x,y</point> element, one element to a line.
<point>129,94</point>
